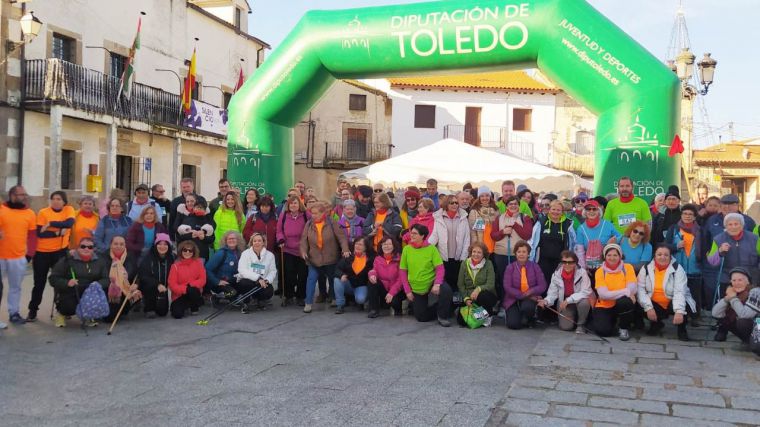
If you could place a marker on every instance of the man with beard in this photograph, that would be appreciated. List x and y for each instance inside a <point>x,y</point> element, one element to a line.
<point>664,220</point>
<point>627,208</point>
<point>18,228</point>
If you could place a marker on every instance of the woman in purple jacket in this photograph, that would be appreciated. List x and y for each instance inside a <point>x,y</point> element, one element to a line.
<point>524,283</point>
<point>289,230</point>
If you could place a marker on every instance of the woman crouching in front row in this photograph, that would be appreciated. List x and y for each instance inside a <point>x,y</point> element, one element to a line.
<point>571,288</point>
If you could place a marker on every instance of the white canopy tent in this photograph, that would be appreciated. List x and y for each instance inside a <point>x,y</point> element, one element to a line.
<point>453,163</point>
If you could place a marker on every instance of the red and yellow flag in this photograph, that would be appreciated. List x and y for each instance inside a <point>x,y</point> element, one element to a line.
<point>187,93</point>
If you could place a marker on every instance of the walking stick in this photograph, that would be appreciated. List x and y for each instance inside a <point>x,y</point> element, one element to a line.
<point>585,329</point>
<point>241,298</point>
<point>118,314</point>
<point>282,278</point>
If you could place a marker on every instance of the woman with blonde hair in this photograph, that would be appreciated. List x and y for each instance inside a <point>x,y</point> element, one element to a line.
<point>481,217</point>
<point>142,233</point>
<point>290,228</point>
<point>257,268</point>
<point>382,221</point>
<point>85,221</point>
<point>222,267</point>
<point>229,217</point>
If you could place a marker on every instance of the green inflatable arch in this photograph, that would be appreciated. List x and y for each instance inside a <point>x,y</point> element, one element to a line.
<point>635,97</point>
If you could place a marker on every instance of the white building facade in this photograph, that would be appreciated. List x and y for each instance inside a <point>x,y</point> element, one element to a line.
<point>76,127</point>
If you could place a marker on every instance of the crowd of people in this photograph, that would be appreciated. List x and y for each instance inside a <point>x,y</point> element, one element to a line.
<point>605,264</point>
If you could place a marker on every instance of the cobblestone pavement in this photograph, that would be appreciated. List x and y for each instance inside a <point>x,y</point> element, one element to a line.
<point>281,367</point>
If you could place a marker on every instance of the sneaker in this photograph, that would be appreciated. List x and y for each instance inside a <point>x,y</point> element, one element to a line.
<point>307,308</point>
<point>92,323</point>
<point>624,335</point>
<point>579,330</point>
<point>721,335</point>
<point>244,308</point>
<point>3,325</point>
<point>655,328</point>
<point>16,319</point>
<point>373,314</point>
<point>444,322</point>
<point>31,316</point>
<point>319,299</point>
<point>59,320</point>
<point>193,312</point>
<point>333,304</point>
<point>340,310</point>
<point>502,313</point>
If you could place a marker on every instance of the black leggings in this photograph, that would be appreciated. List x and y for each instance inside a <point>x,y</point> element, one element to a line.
<point>192,300</point>
<point>451,273</point>
<point>153,300</point>
<point>376,297</point>
<point>621,313</point>
<point>485,299</point>
<point>42,263</point>
<point>521,310</point>
<point>425,312</point>
<point>294,274</point>
<point>244,286</point>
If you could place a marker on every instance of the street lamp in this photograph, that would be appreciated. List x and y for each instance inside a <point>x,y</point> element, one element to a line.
<point>706,72</point>
<point>30,27</point>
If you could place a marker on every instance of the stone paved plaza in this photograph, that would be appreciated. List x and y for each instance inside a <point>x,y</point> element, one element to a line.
<point>281,367</point>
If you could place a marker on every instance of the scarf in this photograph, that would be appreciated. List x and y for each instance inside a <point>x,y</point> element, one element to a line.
<point>115,216</point>
<point>524,287</point>
<point>418,245</point>
<point>738,236</point>
<point>198,214</point>
<point>593,222</point>
<point>86,214</point>
<point>478,266</point>
<point>320,225</point>
<point>730,313</point>
<point>149,224</point>
<point>626,199</point>
<point>118,277</point>
<point>265,216</point>
<point>360,261</point>
<point>452,214</point>
<point>661,267</point>
<point>612,269</point>
<point>567,280</point>
<point>411,212</point>
<point>87,258</point>
<point>510,214</point>
<point>388,258</point>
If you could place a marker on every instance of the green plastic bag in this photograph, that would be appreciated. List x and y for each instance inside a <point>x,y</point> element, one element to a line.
<point>475,316</point>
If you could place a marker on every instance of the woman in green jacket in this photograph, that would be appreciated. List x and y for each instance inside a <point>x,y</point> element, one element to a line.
<point>229,217</point>
<point>476,281</point>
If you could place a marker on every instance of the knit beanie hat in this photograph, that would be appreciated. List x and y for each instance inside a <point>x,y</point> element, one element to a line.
<point>611,247</point>
<point>483,189</point>
<point>365,190</point>
<point>740,270</point>
<point>162,237</point>
<point>411,194</point>
<point>674,192</point>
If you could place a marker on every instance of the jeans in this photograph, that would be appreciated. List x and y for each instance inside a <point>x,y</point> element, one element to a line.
<point>14,270</point>
<point>342,288</point>
<point>42,264</point>
<point>311,279</point>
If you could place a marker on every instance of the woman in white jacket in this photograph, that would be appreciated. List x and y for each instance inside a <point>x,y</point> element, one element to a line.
<point>662,291</point>
<point>451,236</point>
<point>257,269</point>
<point>570,287</point>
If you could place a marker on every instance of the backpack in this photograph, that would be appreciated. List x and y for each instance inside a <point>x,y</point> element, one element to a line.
<point>93,303</point>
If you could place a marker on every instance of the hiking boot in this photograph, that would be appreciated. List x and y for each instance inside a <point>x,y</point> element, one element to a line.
<point>31,316</point>
<point>444,322</point>
<point>59,320</point>
<point>340,310</point>
<point>16,319</point>
<point>373,314</point>
<point>655,328</point>
<point>624,335</point>
<point>230,293</point>
<point>244,308</point>
<point>319,299</point>
<point>682,334</point>
<point>307,308</point>
<point>721,335</point>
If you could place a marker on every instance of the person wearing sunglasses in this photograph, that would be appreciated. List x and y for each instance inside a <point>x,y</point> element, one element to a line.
<point>592,235</point>
<point>187,277</point>
<point>409,207</point>
<point>424,216</point>
<point>72,275</point>
<point>451,235</point>
<point>635,245</point>
<point>383,220</point>
<point>570,288</point>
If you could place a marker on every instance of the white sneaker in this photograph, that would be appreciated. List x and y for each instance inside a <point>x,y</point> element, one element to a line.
<point>3,325</point>
<point>624,335</point>
<point>502,314</point>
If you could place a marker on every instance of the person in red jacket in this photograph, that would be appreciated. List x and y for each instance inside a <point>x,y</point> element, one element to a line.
<point>187,277</point>
<point>264,221</point>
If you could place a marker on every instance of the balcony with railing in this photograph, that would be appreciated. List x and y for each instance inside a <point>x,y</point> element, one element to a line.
<point>491,137</point>
<point>351,154</point>
<point>53,81</point>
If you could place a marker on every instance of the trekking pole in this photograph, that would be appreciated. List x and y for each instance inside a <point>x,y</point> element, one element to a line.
<point>585,329</point>
<point>282,278</point>
<point>241,298</point>
<point>118,314</point>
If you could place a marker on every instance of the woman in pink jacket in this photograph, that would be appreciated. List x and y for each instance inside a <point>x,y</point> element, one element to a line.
<point>384,280</point>
<point>187,277</point>
<point>290,227</point>
<point>425,210</point>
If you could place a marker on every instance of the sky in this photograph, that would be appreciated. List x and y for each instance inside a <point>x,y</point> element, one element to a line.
<point>728,29</point>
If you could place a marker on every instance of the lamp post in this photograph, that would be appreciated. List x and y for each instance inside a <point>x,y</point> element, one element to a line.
<point>30,27</point>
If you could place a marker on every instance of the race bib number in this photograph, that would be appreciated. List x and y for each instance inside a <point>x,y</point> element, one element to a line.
<point>258,268</point>
<point>479,225</point>
<point>626,219</point>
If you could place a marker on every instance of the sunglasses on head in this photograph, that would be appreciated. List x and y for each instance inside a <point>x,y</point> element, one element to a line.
<point>639,232</point>
<point>86,246</point>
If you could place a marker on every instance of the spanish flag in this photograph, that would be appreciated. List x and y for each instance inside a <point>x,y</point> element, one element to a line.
<point>187,93</point>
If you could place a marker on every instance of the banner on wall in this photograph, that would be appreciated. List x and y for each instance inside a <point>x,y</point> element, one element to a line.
<point>206,117</point>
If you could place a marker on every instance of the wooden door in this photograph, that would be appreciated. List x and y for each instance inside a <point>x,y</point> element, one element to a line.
<point>472,126</point>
